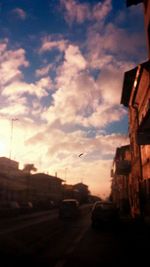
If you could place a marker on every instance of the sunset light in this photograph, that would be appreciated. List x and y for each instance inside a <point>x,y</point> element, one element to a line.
<point>3,149</point>
<point>61,77</point>
<point>74,133</point>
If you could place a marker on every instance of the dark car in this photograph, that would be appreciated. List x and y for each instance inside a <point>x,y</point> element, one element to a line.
<point>26,207</point>
<point>69,208</point>
<point>104,213</point>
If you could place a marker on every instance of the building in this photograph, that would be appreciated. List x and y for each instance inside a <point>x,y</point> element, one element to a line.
<point>22,186</point>
<point>121,176</point>
<point>68,191</point>
<point>136,97</point>
<point>82,192</point>
<point>9,167</point>
<point>43,187</point>
<point>12,184</point>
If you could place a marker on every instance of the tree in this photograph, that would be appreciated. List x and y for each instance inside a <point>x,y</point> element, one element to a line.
<point>29,167</point>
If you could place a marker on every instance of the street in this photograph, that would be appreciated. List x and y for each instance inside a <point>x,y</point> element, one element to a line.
<point>75,133</point>
<point>63,243</point>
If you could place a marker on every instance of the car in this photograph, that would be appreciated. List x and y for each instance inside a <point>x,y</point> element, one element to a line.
<point>69,208</point>
<point>26,207</point>
<point>104,213</point>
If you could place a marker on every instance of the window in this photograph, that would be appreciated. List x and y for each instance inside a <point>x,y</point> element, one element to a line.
<point>149,37</point>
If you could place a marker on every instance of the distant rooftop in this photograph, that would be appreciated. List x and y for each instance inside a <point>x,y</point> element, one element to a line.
<point>44,175</point>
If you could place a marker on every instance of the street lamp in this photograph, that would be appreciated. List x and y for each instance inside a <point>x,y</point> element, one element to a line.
<point>11,135</point>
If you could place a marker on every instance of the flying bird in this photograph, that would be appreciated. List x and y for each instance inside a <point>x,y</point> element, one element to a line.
<point>80,155</point>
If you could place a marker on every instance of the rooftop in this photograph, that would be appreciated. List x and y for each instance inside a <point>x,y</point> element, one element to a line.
<point>129,78</point>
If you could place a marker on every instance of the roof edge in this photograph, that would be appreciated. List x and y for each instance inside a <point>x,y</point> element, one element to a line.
<point>128,82</point>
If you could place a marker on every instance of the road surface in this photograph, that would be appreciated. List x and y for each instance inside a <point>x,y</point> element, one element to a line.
<point>45,240</point>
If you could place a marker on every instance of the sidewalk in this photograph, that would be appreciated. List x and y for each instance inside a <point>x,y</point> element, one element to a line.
<point>147,220</point>
<point>128,221</point>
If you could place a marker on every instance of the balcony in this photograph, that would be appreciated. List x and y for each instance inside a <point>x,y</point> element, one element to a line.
<point>143,133</point>
<point>145,121</point>
<point>123,167</point>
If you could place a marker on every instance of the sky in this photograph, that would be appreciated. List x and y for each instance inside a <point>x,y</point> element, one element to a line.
<point>62,64</point>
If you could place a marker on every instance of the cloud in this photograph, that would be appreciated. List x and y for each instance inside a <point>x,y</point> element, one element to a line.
<point>19,88</point>
<point>82,105</point>
<point>64,150</point>
<point>19,13</point>
<point>43,71</point>
<point>44,84</point>
<point>10,63</point>
<point>70,145</point>
<point>104,46</point>
<point>75,88</point>
<point>15,109</point>
<point>101,10</point>
<point>17,96</point>
<point>52,150</point>
<point>56,125</point>
<point>48,44</point>
<point>77,12</point>
<point>74,63</point>
<point>111,87</point>
<point>116,36</point>
<point>80,99</point>
<point>103,116</point>
<point>3,45</point>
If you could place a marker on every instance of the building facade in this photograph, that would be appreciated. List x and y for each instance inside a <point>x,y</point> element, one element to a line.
<point>121,176</point>
<point>9,167</point>
<point>22,186</point>
<point>43,188</point>
<point>136,97</point>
